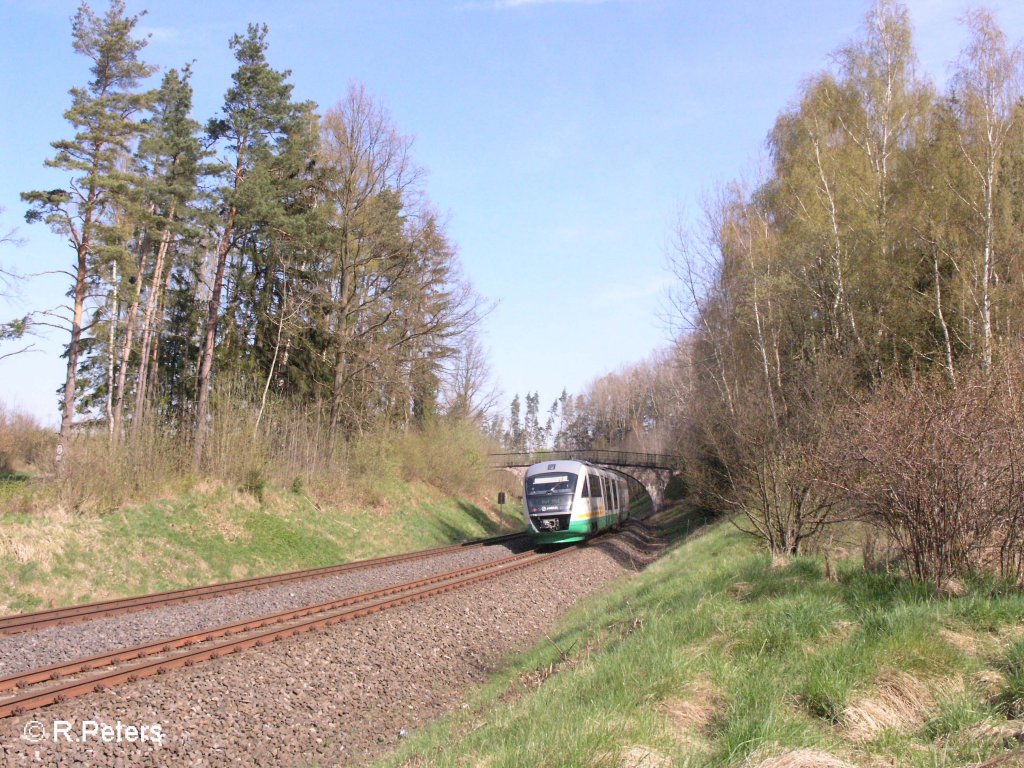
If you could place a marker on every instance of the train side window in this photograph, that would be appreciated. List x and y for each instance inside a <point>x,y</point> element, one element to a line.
<point>595,487</point>
<point>585,493</point>
<point>615,495</point>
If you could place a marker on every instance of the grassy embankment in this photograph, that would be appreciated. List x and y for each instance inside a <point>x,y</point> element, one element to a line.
<point>713,657</point>
<point>132,516</point>
<point>207,535</point>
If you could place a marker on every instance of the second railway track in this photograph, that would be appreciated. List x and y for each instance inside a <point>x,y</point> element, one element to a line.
<point>157,658</point>
<point>26,622</point>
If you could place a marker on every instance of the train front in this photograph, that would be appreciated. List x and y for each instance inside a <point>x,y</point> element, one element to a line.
<point>552,494</point>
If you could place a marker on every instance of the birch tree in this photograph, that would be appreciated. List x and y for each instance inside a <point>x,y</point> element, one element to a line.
<point>986,94</point>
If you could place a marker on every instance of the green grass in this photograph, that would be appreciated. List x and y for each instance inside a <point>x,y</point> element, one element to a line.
<point>712,657</point>
<point>216,535</point>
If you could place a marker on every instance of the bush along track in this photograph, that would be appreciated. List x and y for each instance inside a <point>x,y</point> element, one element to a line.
<point>716,657</point>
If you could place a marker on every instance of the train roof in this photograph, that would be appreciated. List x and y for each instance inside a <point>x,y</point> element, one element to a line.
<point>566,465</point>
<point>560,465</point>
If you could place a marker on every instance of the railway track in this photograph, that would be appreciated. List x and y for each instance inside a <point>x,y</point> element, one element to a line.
<point>26,622</point>
<point>96,673</point>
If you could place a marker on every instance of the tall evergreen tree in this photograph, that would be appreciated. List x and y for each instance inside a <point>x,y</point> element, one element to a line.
<point>170,156</point>
<point>103,114</point>
<point>258,117</point>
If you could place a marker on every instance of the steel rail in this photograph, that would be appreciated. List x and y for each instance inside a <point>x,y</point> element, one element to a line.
<point>59,693</point>
<point>24,622</point>
<point>166,645</point>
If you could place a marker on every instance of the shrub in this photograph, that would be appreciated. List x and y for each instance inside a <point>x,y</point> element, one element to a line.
<point>449,454</point>
<point>24,443</point>
<point>255,483</point>
<point>252,445</point>
<point>940,469</point>
<point>100,476</point>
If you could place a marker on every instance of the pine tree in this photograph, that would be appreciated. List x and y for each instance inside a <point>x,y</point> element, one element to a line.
<point>258,117</point>
<point>172,157</point>
<point>103,116</point>
<point>515,437</point>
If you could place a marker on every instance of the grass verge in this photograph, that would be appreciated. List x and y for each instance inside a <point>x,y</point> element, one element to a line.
<point>216,534</point>
<point>713,657</point>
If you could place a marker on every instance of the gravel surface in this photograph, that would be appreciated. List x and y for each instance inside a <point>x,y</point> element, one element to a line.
<point>339,696</point>
<point>31,650</point>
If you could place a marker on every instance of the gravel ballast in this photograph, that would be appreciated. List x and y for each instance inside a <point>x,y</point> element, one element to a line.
<point>339,696</point>
<point>36,649</point>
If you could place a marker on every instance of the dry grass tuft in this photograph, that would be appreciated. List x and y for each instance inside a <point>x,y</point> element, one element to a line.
<point>841,631</point>
<point>35,543</point>
<point>222,511</point>
<point>24,549</point>
<point>900,702</point>
<point>693,713</point>
<point>740,590</point>
<point>990,683</point>
<point>779,560</point>
<point>795,758</point>
<point>533,679</point>
<point>966,643</point>
<point>1008,733</point>
<point>25,444</point>
<point>639,756</point>
<point>952,587</point>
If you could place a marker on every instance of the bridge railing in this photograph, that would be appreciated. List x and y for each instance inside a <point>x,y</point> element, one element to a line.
<point>594,456</point>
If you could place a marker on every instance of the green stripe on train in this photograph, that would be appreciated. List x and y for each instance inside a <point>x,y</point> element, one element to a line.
<point>577,531</point>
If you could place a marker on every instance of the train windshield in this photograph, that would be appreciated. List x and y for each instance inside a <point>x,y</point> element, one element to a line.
<point>551,484</point>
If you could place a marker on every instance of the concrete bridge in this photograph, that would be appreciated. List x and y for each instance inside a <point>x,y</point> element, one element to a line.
<point>651,470</point>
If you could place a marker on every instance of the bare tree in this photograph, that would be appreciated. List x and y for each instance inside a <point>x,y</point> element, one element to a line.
<point>370,171</point>
<point>468,390</point>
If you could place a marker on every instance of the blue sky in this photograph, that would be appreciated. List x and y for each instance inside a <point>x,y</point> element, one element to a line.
<point>560,137</point>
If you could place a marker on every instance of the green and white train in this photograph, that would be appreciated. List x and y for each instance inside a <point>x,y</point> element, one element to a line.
<point>571,500</point>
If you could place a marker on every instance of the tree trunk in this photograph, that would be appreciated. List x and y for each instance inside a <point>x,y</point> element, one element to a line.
<point>126,346</point>
<point>273,362</point>
<point>942,321</point>
<point>157,286</point>
<point>209,340</point>
<point>111,339</point>
<point>986,273</point>
<point>341,359</point>
<point>67,420</point>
